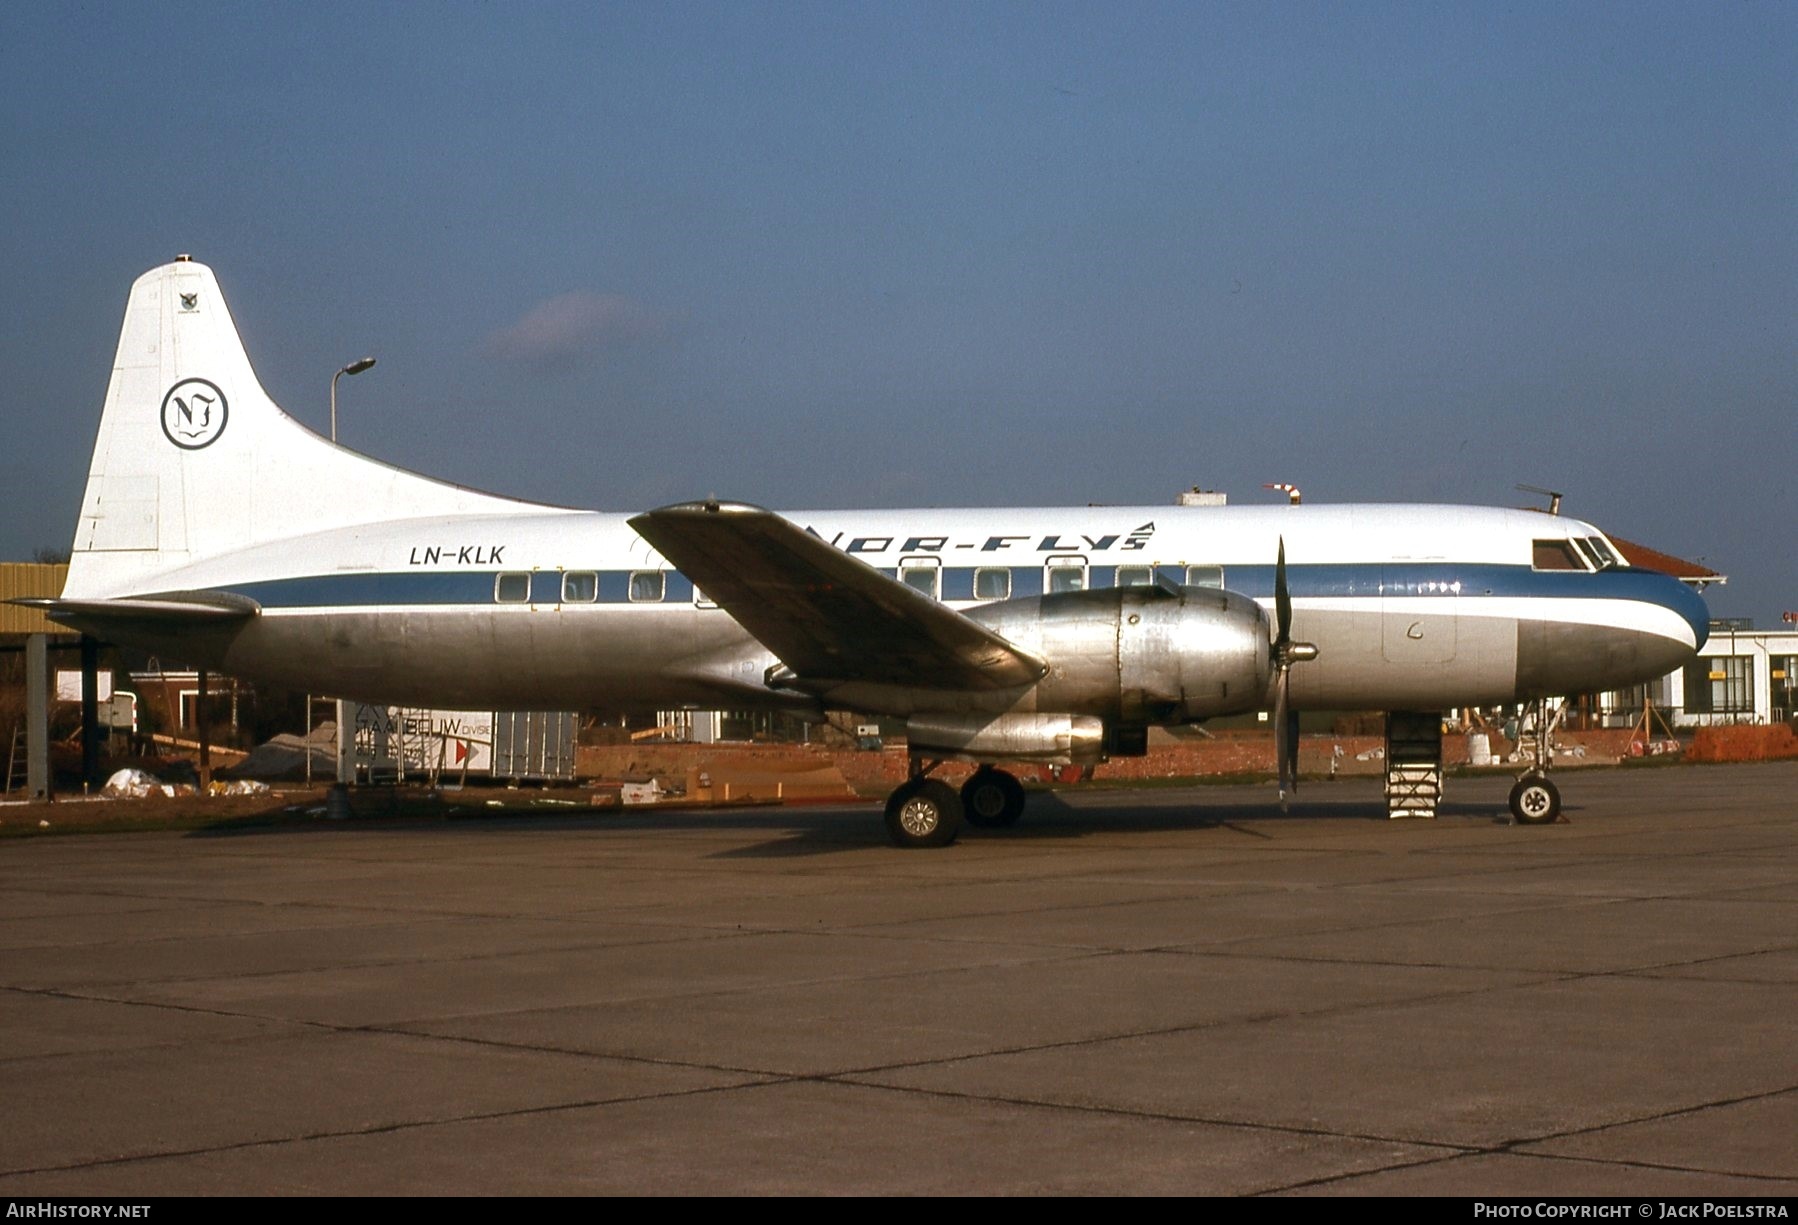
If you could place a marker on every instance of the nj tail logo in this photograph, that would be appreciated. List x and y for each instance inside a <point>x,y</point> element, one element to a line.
<point>194,414</point>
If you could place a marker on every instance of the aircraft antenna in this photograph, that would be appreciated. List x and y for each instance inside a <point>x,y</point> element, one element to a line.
<point>1554,497</point>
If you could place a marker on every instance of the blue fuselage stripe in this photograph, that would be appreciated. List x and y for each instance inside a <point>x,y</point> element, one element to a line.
<point>1355,580</point>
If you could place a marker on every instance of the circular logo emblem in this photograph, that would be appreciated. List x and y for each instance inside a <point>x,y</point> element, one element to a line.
<point>193,414</point>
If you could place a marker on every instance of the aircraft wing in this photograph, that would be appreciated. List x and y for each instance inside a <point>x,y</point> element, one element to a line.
<point>827,615</point>
<point>172,606</point>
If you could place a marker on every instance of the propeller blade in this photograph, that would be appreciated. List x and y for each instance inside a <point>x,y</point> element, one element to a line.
<point>1281,734</point>
<point>1292,746</point>
<point>1285,653</point>
<point>1282,599</point>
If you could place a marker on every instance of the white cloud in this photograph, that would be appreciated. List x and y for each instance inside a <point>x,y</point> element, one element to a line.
<point>576,327</point>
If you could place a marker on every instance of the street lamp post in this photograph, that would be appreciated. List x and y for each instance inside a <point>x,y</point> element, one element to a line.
<point>343,759</point>
<point>356,367</point>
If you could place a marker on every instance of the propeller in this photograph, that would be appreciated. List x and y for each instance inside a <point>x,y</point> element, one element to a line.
<point>1285,653</point>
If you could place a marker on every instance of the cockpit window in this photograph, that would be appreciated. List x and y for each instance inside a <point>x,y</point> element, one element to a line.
<point>1603,552</point>
<point>1555,555</point>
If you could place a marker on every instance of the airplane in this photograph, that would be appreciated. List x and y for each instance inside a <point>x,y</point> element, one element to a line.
<point>218,529</point>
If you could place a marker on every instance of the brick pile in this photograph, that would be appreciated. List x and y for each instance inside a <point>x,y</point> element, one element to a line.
<point>871,772</point>
<point>1743,743</point>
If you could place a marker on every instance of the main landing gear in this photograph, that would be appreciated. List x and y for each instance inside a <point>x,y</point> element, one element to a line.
<point>926,812</point>
<point>992,799</point>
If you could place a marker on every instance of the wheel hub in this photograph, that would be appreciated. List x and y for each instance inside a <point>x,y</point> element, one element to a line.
<point>988,802</point>
<point>919,817</point>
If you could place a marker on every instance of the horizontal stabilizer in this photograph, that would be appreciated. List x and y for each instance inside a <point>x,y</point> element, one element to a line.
<point>172,606</point>
<point>828,616</point>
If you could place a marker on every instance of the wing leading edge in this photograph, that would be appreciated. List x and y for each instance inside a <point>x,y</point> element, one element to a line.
<point>828,616</point>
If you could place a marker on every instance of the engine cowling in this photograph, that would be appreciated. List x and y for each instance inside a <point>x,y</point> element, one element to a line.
<point>1142,655</point>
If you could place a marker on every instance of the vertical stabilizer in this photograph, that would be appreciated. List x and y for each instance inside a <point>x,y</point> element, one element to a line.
<point>193,460</point>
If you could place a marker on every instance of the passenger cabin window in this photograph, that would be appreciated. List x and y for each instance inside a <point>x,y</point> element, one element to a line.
<point>1555,555</point>
<point>992,583</point>
<point>580,587</point>
<point>512,588</point>
<point>921,578</point>
<point>1136,576</point>
<point>1066,576</point>
<point>647,586</point>
<point>1204,576</point>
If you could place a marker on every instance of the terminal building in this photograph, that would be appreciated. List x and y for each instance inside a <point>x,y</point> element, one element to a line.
<point>1742,674</point>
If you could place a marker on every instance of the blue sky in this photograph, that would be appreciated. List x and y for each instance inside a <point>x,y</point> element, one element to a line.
<point>916,254</point>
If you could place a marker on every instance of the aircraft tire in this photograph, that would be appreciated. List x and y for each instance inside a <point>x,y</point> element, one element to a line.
<point>1535,801</point>
<point>992,799</point>
<point>923,813</point>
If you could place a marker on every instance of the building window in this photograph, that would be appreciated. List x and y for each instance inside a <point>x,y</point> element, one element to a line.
<point>1785,683</point>
<point>580,587</point>
<point>647,586</point>
<point>1722,685</point>
<point>512,588</point>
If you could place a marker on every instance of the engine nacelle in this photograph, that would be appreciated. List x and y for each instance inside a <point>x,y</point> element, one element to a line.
<point>1142,655</point>
<point>1008,737</point>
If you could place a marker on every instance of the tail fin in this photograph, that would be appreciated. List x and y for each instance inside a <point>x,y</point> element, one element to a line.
<point>194,460</point>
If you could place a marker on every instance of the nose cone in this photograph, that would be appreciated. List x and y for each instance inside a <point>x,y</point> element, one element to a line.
<point>1662,605</point>
<point>1686,601</point>
<point>1640,627</point>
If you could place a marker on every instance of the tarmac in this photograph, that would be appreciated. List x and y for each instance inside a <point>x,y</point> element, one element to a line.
<point>1134,992</point>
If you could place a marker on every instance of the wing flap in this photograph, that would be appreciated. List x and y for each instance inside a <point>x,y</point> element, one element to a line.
<point>828,616</point>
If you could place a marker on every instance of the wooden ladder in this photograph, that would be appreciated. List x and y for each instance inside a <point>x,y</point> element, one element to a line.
<point>12,759</point>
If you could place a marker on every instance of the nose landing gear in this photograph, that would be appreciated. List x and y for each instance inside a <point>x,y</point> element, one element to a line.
<point>1535,800</point>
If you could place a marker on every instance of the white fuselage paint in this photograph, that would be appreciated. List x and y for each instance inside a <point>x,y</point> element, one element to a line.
<point>378,583</point>
<point>1355,573</point>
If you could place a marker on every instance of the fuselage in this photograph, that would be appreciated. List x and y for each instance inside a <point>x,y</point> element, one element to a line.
<point>1410,606</point>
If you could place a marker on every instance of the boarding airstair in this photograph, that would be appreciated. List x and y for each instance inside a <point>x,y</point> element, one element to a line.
<point>1413,763</point>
